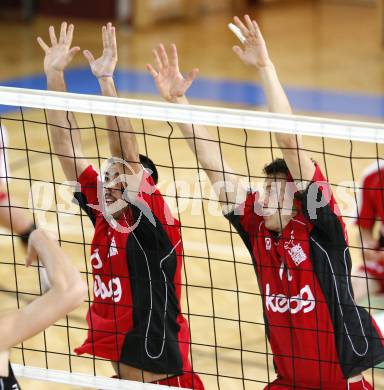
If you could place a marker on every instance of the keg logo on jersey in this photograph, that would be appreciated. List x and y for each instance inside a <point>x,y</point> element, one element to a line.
<point>112,290</point>
<point>279,303</point>
<point>268,243</point>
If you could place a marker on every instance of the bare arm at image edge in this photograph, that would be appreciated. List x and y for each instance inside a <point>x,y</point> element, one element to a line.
<point>67,291</point>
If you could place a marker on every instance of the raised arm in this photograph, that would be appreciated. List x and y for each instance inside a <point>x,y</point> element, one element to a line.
<point>67,291</point>
<point>172,87</point>
<point>122,139</point>
<point>65,134</point>
<point>254,53</point>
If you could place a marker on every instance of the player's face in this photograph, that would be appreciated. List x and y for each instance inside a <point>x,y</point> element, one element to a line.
<point>277,203</point>
<point>113,192</point>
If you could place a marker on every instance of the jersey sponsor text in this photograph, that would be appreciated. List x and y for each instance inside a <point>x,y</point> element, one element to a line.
<point>113,290</point>
<point>279,303</point>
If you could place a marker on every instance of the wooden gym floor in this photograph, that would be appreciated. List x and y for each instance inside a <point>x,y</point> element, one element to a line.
<point>323,46</point>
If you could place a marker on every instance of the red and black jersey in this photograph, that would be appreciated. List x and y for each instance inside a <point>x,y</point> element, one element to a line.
<point>9,382</point>
<point>318,335</point>
<point>371,197</point>
<point>135,317</point>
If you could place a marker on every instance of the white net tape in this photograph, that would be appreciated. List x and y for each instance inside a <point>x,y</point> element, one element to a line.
<point>209,116</point>
<point>82,380</point>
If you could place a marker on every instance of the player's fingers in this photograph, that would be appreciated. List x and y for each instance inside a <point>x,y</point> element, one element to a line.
<point>152,71</point>
<point>163,55</point>
<point>241,26</point>
<point>73,52</point>
<point>113,39</point>
<point>174,57</point>
<point>28,261</point>
<point>257,30</point>
<point>108,35</point>
<point>89,56</point>
<point>52,35</point>
<point>104,36</point>
<point>31,255</point>
<point>249,23</point>
<point>68,40</point>
<point>238,51</point>
<point>44,279</point>
<point>158,62</point>
<point>63,32</point>
<point>192,75</point>
<point>42,44</point>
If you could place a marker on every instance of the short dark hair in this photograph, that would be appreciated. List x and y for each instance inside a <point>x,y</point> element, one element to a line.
<point>147,163</point>
<point>276,167</point>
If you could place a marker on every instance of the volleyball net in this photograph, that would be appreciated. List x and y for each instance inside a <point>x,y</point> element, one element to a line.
<point>221,299</point>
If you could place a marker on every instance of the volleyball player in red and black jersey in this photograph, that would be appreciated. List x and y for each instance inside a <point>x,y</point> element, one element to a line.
<point>319,337</point>
<point>371,211</point>
<point>135,319</point>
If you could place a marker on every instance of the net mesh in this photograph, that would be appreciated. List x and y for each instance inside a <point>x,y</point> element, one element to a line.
<point>220,295</point>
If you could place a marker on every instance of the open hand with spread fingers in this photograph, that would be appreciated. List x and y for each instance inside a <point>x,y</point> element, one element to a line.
<point>105,65</point>
<point>166,73</point>
<point>60,53</point>
<point>254,51</point>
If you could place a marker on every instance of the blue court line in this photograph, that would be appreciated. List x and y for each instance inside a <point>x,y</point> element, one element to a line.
<point>80,80</point>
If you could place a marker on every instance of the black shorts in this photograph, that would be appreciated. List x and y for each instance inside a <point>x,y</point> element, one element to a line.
<point>381,241</point>
<point>9,382</point>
